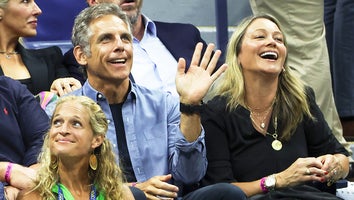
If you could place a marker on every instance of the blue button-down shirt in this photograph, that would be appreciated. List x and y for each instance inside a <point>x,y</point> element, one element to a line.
<point>153,58</point>
<point>155,143</point>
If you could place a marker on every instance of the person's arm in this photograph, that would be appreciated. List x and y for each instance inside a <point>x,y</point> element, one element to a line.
<point>16,175</point>
<point>324,145</point>
<point>28,194</point>
<point>3,169</point>
<point>62,86</point>
<point>20,178</point>
<point>33,123</point>
<point>193,85</point>
<point>63,82</point>
<point>336,165</point>
<point>301,171</point>
<point>188,147</point>
<point>127,194</point>
<point>157,187</point>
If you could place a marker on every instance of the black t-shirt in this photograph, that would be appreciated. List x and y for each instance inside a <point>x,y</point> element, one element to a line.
<point>124,157</point>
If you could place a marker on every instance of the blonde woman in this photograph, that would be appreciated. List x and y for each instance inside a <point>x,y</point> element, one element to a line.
<point>77,161</point>
<point>264,130</point>
<point>38,69</point>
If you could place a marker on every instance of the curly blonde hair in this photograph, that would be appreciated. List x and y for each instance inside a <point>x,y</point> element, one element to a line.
<point>3,3</point>
<point>108,177</point>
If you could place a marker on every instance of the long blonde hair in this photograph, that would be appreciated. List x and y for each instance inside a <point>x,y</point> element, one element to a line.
<point>3,3</point>
<point>108,177</point>
<point>291,99</point>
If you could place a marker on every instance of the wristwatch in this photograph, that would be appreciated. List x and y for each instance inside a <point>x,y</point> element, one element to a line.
<point>269,182</point>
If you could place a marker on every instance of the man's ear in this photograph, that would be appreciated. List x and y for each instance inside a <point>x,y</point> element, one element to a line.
<point>92,2</point>
<point>80,56</point>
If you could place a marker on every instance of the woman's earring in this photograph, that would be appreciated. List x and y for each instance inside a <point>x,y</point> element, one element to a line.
<point>93,162</point>
<point>284,70</point>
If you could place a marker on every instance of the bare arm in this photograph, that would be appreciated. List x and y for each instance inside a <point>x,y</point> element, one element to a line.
<point>128,195</point>
<point>336,165</point>
<point>302,170</point>
<point>28,194</point>
<point>193,85</point>
<point>157,187</point>
<point>19,176</point>
<point>63,86</point>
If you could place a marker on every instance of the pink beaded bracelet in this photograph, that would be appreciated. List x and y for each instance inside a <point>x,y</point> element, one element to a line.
<point>263,187</point>
<point>8,172</point>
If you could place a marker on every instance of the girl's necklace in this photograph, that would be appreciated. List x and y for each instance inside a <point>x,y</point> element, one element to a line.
<point>61,194</point>
<point>8,55</point>
<point>260,116</point>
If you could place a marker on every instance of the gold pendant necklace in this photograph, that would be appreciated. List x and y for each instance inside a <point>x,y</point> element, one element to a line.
<point>8,55</point>
<point>276,144</point>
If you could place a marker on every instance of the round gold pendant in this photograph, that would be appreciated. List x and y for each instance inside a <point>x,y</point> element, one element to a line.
<point>277,145</point>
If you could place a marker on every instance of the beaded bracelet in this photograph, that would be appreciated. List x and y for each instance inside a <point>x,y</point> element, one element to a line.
<point>263,187</point>
<point>8,172</point>
<point>191,109</point>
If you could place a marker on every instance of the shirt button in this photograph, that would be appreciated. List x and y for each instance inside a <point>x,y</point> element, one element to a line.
<point>99,96</point>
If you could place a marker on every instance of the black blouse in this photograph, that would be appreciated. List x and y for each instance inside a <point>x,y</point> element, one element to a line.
<point>236,152</point>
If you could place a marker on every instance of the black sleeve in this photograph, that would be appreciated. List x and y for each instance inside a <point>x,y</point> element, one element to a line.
<point>216,141</point>
<point>319,136</point>
<point>74,68</point>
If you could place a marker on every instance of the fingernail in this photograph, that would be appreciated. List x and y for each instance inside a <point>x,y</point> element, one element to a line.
<point>326,173</point>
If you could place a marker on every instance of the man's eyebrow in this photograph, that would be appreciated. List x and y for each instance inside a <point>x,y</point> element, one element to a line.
<point>104,35</point>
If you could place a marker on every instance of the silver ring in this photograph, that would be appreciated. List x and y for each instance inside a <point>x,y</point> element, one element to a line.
<point>334,171</point>
<point>308,171</point>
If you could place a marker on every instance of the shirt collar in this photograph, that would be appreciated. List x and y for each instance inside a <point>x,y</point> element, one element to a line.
<point>150,27</point>
<point>89,91</point>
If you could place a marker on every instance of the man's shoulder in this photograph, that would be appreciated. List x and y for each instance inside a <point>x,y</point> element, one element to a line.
<point>140,90</point>
<point>12,87</point>
<point>151,95</point>
<point>174,25</point>
<point>47,51</point>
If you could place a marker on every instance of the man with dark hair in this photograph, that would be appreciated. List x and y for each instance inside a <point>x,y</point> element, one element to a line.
<point>157,47</point>
<point>159,140</point>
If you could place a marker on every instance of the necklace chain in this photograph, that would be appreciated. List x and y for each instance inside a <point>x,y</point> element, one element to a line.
<point>276,144</point>
<point>260,116</point>
<point>8,55</point>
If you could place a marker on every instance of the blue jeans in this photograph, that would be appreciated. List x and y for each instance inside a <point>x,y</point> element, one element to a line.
<point>218,191</point>
<point>2,193</point>
<point>339,21</point>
